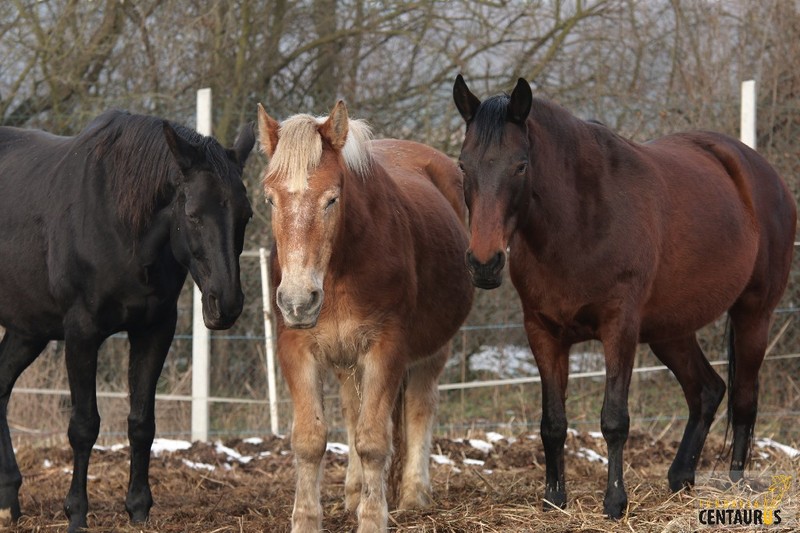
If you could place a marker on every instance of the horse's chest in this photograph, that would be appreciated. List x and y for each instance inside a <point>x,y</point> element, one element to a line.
<point>567,308</point>
<point>342,341</point>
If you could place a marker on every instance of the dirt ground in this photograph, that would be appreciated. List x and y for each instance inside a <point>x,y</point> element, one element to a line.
<point>502,494</point>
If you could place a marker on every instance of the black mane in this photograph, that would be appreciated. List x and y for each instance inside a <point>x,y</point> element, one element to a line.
<point>492,116</point>
<point>140,169</point>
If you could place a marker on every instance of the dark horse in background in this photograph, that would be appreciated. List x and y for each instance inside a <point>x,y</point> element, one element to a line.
<point>97,232</point>
<point>626,243</point>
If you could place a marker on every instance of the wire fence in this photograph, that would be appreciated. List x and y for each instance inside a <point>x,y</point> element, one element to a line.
<point>490,382</point>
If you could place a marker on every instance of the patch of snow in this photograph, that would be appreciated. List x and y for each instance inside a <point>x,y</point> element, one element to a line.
<point>769,443</point>
<point>338,447</point>
<point>494,437</point>
<point>169,445</point>
<point>441,459</point>
<point>504,361</point>
<point>112,448</point>
<point>512,361</point>
<point>231,453</point>
<point>488,471</point>
<point>573,432</point>
<point>254,440</point>
<point>595,434</point>
<point>481,445</point>
<point>199,466</point>
<point>47,463</point>
<point>474,462</point>
<point>591,456</point>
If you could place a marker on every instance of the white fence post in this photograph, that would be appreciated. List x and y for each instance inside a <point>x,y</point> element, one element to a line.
<point>747,128</point>
<point>200,334</point>
<point>268,344</point>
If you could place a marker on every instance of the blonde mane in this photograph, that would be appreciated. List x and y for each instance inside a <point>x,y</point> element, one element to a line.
<point>299,149</point>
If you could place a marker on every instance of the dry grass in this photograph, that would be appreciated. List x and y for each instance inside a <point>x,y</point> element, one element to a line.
<point>504,494</point>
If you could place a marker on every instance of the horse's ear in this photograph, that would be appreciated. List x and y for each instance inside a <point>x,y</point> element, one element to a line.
<point>267,132</point>
<point>334,130</point>
<point>244,143</point>
<point>520,104</point>
<point>466,102</point>
<point>184,152</point>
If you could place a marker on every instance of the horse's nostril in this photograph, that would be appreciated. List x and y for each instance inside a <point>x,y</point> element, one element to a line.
<point>494,264</point>
<point>279,298</point>
<point>471,261</point>
<point>498,261</point>
<point>314,299</point>
<point>213,305</point>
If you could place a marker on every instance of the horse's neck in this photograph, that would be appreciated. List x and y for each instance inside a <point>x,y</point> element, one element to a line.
<point>370,212</point>
<point>567,179</point>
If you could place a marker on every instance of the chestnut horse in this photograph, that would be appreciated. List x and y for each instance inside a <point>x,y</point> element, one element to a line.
<point>368,273</point>
<point>623,242</point>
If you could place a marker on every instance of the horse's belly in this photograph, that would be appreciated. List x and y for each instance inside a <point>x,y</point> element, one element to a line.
<point>686,301</point>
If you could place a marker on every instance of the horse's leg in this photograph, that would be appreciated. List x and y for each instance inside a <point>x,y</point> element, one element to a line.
<point>750,338</point>
<point>619,344</point>
<point>349,381</point>
<point>703,389</point>
<point>552,359</point>
<point>149,348</point>
<point>421,400</point>
<point>84,423</point>
<point>17,352</point>
<point>383,373</point>
<point>309,434</point>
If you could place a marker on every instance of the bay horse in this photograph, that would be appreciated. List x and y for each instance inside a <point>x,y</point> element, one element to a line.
<point>368,274</point>
<point>622,242</point>
<point>98,233</point>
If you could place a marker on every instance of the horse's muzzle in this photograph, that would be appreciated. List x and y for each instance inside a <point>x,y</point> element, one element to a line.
<point>300,310</point>
<point>488,275</point>
<point>217,315</point>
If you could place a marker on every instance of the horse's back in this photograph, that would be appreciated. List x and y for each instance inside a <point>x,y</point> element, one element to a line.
<point>727,225</point>
<point>409,158</point>
<point>760,192</point>
<point>29,197</point>
<point>773,208</point>
<point>429,189</point>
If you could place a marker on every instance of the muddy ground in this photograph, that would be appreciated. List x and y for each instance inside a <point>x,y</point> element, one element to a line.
<point>502,494</point>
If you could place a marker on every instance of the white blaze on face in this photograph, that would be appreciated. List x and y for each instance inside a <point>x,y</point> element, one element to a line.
<point>304,259</point>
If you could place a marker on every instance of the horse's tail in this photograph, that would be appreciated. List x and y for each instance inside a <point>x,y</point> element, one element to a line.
<point>731,374</point>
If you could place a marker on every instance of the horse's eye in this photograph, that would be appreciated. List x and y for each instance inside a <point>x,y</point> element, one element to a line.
<point>270,202</point>
<point>331,202</point>
<point>521,169</point>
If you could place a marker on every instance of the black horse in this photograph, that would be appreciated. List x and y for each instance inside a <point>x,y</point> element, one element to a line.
<point>97,232</point>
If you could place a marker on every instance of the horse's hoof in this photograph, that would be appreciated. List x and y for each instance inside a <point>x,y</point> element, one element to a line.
<point>554,500</point>
<point>680,480</point>
<point>614,506</point>
<point>77,525</point>
<point>419,500</point>
<point>138,517</point>
<point>9,516</point>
